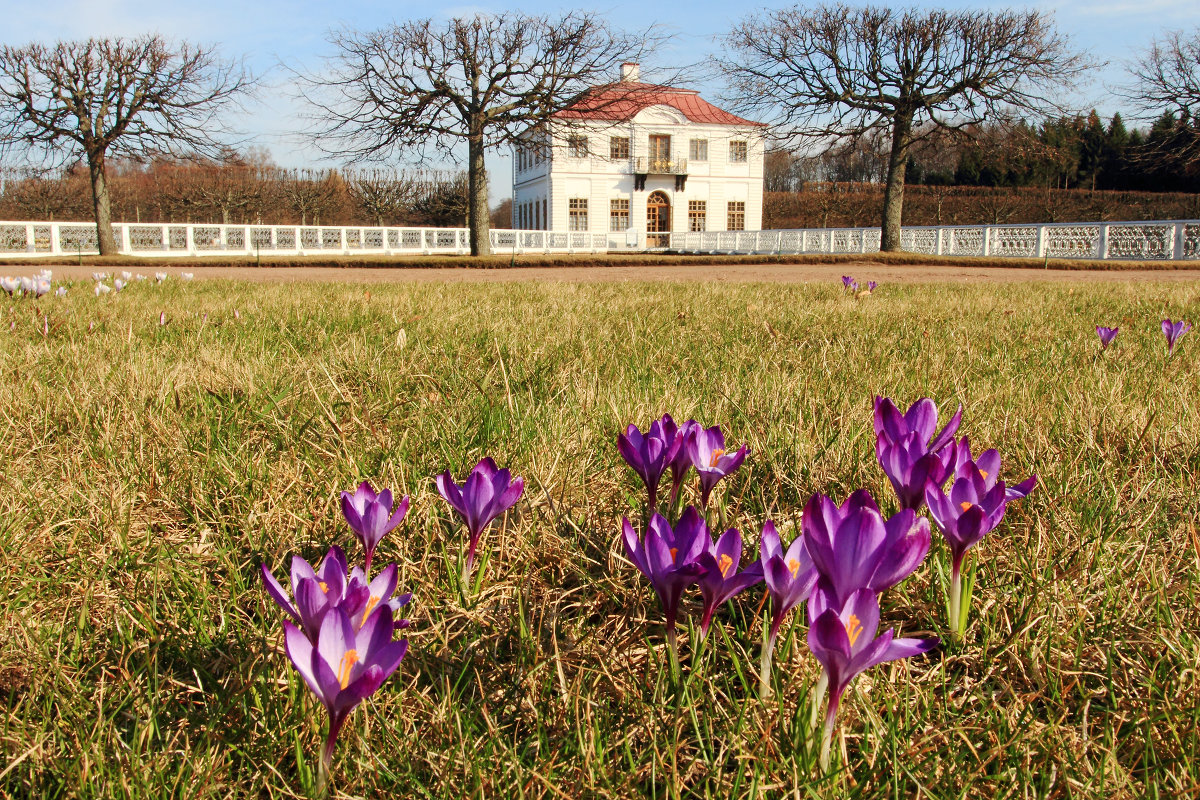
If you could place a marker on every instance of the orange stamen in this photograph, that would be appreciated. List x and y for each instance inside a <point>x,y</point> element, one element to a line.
<point>983,474</point>
<point>324,586</point>
<point>793,566</point>
<point>674,550</point>
<point>964,505</point>
<point>715,455</point>
<point>348,662</point>
<point>372,601</point>
<point>854,629</point>
<point>724,564</point>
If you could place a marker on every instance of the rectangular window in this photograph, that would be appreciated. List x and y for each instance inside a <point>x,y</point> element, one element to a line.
<point>737,150</point>
<point>698,150</point>
<point>577,146</point>
<point>697,214</point>
<point>618,215</point>
<point>618,148</point>
<point>736,216</point>
<point>545,216</point>
<point>577,214</point>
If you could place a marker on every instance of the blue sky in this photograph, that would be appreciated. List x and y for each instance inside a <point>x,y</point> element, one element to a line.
<point>268,32</point>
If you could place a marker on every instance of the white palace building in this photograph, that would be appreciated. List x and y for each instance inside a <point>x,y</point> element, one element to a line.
<point>636,161</point>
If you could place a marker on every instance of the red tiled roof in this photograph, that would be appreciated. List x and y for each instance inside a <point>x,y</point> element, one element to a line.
<point>621,101</point>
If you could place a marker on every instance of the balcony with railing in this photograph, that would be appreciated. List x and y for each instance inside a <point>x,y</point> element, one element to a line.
<point>645,166</point>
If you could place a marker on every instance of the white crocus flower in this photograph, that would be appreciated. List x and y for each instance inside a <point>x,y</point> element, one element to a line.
<point>127,276</point>
<point>187,276</point>
<point>160,276</point>
<point>140,277</point>
<point>118,284</point>
<point>102,289</point>
<point>60,291</point>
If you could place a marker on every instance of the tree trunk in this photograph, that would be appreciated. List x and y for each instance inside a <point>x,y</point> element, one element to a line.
<point>478,213</point>
<point>893,194</point>
<point>101,205</point>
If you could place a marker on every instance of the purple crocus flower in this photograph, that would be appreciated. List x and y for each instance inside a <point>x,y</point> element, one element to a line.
<point>649,454</point>
<point>1106,335</point>
<point>706,450</point>
<point>908,450</point>
<point>316,591</point>
<point>486,494</point>
<point>721,581</point>
<point>965,516</point>
<point>668,557</point>
<point>853,547</point>
<point>1173,330</point>
<point>370,516</point>
<point>344,665</point>
<point>871,286</point>
<point>790,577</point>
<point>987,468</point>
<point>844,641</point>
<point>847,282</point>
<point>682,462</point>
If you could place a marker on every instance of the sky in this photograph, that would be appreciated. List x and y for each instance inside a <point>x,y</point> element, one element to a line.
<point>271,33</point>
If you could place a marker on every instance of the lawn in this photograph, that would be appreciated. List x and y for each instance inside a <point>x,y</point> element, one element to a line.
<point>149,470</point>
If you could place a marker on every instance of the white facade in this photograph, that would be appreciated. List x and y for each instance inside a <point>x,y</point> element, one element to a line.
<point>635,180</point>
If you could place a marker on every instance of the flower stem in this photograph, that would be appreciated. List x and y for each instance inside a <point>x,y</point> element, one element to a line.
<point>325,764</point>
<point>827,738</point>
<point>955,609</point>
<point>673,650</point>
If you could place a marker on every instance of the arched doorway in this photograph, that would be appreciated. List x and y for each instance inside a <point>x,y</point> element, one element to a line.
<point>658,220</point>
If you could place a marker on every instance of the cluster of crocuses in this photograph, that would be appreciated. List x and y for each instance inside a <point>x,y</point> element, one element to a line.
<point>846,555</point>
<point>341,622</point>
<point>1171,330</point>
<point>851,286</point>
<point>30,287</point>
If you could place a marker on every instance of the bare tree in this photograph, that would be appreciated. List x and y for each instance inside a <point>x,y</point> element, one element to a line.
<point>310,193</point>
<point>477,80</point>
<point>835,71</point>
<point>1167,79</point>
<point>104,98</point>
<point>381,194</point>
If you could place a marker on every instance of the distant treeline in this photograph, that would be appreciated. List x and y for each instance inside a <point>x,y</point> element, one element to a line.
<point>856,205</point>
<point>1072,152</point>
<point>239,190</point>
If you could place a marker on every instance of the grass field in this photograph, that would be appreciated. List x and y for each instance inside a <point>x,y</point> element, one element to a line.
<point>149,470</point>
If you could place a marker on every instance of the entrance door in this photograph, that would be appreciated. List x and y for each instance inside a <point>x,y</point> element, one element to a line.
<point>660,154</point>
<point>658,220</point>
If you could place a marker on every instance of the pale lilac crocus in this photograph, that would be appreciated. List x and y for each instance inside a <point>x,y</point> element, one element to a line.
<point>844,641</point>
<point>102,289</point>
<point>60,291</point>
<point>162,318</point>
<point>969,512</point>
<point>1174,330</point>
<point>668,557</point>
<point>371,517</point>
<point>721,581</point>
<point>706,450</point>
<point>790,577</point>
<point>649,455</point>
<point>1106,335</point>
<point>487,493</point>
<point>344,665</point>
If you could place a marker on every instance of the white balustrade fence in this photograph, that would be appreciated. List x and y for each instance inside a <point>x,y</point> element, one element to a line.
<point>1174,240</point>
<point>1177,240</point>
<point>173,240</point>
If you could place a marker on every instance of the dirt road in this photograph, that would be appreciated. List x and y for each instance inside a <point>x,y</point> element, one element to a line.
<point>739,273</point>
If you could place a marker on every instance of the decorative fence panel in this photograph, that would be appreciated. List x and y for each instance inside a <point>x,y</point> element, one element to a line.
<point>1159,240</point>
<point>173,240</point>
<point>1174,240</point>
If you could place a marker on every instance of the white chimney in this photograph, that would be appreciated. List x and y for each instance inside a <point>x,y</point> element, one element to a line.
<point>630,72</point>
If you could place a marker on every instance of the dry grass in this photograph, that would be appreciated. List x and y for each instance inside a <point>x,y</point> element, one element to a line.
<point>502,261</point>
<point>149,470</point>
